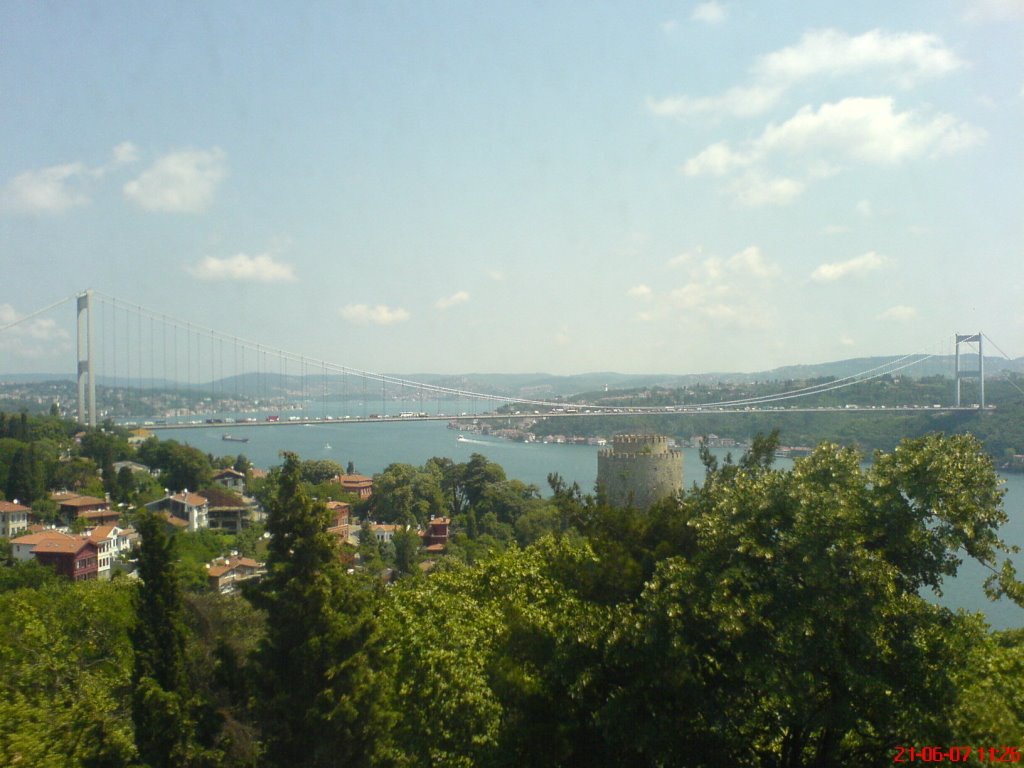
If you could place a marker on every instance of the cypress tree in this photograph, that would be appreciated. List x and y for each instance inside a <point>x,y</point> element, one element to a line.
<point>314,680</point>
<point>159,689</point>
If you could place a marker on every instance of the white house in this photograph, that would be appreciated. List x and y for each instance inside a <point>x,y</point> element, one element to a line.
<point>13,518</point>
<point>110,542</point>
<point>191,508</point>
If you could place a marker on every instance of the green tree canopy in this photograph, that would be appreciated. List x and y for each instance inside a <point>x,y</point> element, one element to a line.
<point>408,495</point>
<point>315,695</point>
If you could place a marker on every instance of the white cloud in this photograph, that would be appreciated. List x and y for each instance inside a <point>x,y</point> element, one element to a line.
<point>751,261</point>
<point>862,129</point>
<point>715,289</point>
<point>381,314</point>
<point>243,268</point>
<point>907,57</point>
<point>864,208</point>
<point>496,275</point>
<point>669,26</point>
<point>716,160</point>
<point>709,13</point>
<point>868,130</point>
<point>685,257</point>
<point>860,265</point>
<point>639,291</point>
<point>47,190</point>
<point>846,341</point>
<point>853,130</point>
<point>459,297</point>
<point>899,312</point>
<point>181,182</point>
<point>693,295</point>
<point>740,102</point>
<point>125,153</point>
<point>753,190</point>
<point>35,338</point>
<point>994,10</point>
<point>835,229</point>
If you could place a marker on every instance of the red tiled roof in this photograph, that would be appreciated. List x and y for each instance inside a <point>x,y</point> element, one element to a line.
<point>69,544</point>
<point>176,521</point>
<point>7,506</point>
<point>38,538</point>
<point>71,500</point>
<point>101,532</point>
<point>192,499</point>
<point>354,481</point>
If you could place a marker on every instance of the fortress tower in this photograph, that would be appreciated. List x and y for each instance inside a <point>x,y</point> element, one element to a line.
<point>639,470</point>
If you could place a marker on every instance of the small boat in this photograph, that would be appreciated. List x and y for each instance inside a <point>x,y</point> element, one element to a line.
<point>234,439</point>
<point>462,439</point>
<point>327,447</point>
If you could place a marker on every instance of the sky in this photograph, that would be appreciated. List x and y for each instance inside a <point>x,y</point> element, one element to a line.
<point>567,187</point>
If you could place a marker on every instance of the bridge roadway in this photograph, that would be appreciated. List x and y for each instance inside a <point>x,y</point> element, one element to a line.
<point>679,410</point>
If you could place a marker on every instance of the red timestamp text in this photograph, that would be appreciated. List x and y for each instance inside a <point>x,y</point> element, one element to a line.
<point>959,754</point>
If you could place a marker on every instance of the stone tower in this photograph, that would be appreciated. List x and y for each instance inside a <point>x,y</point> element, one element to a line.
<point>639,470</point>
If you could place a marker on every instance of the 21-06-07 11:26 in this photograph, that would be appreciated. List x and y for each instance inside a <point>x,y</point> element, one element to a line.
<point>960,754</point>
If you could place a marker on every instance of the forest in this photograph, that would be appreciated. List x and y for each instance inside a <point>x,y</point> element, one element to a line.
<point>766,618</point>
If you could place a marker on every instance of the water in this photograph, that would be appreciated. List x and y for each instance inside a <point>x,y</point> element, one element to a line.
<point>372,447</point>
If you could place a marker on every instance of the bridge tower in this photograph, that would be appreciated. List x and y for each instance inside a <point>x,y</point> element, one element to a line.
<point>978,374</point>
<point>86,372</point>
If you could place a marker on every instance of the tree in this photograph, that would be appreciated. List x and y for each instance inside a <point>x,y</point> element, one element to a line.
<point>26,481</point>
<point>404,494</point>
<point>124,486</point>
<point>407,548</point>
<point>242,464</point>
<point>316,471</point>
<point>315,690</point>
<point>159,698</point>
<point>785,627</point>
<point>487,663</point>
<point>65,672</point>
<point>182,466</point>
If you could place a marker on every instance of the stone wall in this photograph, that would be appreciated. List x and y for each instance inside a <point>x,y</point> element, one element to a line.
<point>638,470</point>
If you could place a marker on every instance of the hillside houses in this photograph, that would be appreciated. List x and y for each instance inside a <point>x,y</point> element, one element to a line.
<point>77,557</point>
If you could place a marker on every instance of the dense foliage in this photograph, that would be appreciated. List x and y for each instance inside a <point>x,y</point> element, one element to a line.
<point>767,618</point>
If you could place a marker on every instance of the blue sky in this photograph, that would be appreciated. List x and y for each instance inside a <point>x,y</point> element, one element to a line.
<point>561,186</point>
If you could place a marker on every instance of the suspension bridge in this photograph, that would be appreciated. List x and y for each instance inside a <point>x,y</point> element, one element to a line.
<point>139,366</point>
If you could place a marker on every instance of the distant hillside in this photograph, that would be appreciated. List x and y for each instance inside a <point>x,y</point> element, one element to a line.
<point>545,385</point>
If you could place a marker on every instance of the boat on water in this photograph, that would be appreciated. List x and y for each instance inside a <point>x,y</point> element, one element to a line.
<point>462,439</point>
<point>234,439</point>
<point>327,446</point>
